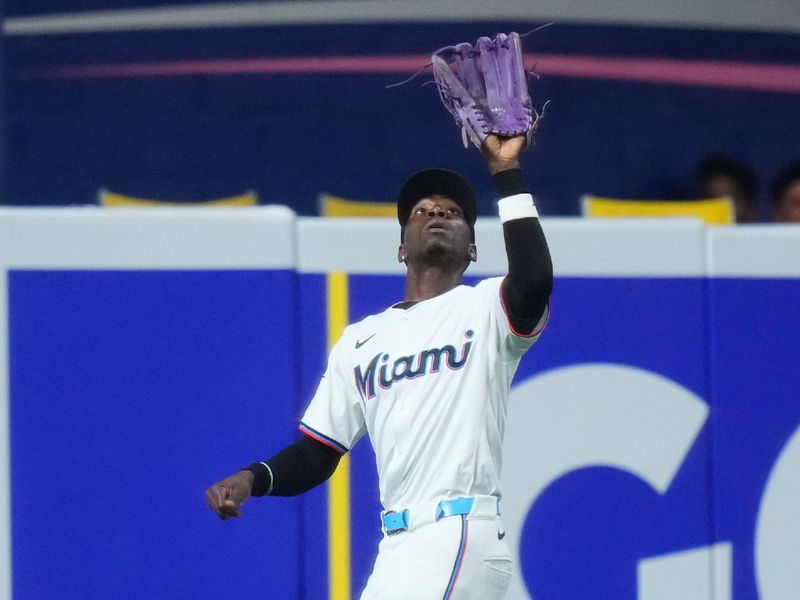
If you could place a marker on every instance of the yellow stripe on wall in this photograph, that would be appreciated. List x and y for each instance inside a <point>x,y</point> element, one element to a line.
<point>713,211</point>
<point>339,484</point>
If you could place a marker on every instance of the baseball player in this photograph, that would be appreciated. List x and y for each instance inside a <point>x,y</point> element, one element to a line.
<point>428,380</point>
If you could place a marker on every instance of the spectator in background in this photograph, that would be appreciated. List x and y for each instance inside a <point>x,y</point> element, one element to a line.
<point>786,195</point>
<point>719,176</point>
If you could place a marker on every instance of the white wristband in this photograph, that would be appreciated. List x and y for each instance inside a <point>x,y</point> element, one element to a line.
<point>519,206</point>
<point>271,478</point>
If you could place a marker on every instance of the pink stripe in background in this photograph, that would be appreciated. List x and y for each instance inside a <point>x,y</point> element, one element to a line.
<point>749,76</point>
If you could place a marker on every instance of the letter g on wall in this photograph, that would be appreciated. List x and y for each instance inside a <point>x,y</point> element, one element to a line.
<point>592,415</point>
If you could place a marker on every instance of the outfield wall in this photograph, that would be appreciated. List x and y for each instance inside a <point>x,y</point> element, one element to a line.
<point>652,452</point>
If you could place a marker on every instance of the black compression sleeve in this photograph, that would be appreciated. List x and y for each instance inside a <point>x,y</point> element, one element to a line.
<point>295,469</point>
<point>509,182</point>
<point>529,282</point>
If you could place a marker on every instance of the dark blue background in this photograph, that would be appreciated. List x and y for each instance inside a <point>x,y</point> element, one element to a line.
<point>587,532</point>
<point>290,137</point>
<point>131,392</point>
<point>312,360</point>
<point>755,342</point>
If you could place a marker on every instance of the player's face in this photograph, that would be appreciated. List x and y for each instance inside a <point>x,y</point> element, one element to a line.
<point>437,231</point>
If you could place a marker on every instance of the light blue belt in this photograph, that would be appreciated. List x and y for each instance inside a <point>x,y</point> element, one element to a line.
<point>456,506</point>
<point>397,521</point>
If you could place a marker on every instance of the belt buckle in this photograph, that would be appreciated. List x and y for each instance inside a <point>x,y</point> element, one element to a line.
<point>395,524</point>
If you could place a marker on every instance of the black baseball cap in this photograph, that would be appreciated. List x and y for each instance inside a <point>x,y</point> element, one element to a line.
<point>436,181</point>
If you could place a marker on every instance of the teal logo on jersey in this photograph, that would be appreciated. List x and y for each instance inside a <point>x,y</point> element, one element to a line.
<point>384,372</point>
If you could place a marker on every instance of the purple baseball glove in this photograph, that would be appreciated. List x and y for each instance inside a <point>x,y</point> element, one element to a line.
<point>485,88</point>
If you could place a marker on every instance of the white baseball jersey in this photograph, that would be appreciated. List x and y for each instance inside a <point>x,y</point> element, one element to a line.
<point>430,385</point>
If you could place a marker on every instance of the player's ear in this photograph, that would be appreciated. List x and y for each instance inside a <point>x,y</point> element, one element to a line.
<point>401,254</point>
<point>473,253</point>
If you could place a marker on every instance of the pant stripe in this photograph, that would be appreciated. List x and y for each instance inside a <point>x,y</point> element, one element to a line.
<point>462,548</point>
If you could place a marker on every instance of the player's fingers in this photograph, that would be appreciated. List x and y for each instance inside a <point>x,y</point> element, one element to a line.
<point>491,144</point>
<point>216,496</point>
<point>230,508</point>
<point>212,501</point>
<point>219,494</point>
<point>224,510</point>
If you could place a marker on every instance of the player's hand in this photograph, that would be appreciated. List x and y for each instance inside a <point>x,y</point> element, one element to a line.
<point>502,153</point>
<point>227,496</point>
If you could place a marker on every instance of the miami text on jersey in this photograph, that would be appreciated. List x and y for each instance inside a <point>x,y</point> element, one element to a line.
<point>409,367</point>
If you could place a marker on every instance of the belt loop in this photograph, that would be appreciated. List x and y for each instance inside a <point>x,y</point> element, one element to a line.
<point>456,506</point>
<point>395,522</point>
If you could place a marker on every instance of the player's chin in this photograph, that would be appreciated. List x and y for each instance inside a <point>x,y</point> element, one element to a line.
<point>437,246</point>
<point>444,252</point>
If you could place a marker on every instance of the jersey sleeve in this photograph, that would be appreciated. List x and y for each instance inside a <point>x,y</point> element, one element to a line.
<point>512,344</point>
<point>334,416</point>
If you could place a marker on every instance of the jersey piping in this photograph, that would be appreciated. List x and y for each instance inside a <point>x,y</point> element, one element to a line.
<point>322,438</point>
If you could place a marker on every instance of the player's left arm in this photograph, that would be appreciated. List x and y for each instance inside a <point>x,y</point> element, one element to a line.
<point>294,470</point>
<point>527,287</point>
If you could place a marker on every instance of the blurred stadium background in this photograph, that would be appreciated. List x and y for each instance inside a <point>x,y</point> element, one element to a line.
<point>148,352</point>
<point>171,100</point>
